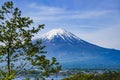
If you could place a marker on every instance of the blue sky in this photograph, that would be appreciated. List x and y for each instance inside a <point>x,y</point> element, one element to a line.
<point>96,21</point>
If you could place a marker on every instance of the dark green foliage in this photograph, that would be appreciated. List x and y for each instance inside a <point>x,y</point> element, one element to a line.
<point>80,77</point>
<point>17,49</point>
<point>104,76</point>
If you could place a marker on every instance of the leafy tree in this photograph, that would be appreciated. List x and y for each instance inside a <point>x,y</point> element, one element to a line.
<point>17,51</point>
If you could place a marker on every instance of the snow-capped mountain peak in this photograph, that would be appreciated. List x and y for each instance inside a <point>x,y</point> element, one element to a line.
<point>49,35</point>
<point>62,33</point>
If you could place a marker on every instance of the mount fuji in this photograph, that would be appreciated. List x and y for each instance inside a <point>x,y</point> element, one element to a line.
<point>73,52</point>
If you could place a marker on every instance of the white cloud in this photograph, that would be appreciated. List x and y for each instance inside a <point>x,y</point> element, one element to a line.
<point>53,17</point>
<point>90,14</point>
<point>108,37</point>
<point>45,10</point>
<point>55,13</point>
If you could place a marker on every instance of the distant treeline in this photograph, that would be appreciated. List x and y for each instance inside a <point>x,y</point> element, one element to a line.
<point>110,75</point>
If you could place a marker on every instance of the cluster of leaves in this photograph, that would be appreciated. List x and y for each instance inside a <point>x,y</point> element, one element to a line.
<point>16,47</point>
<point>104,76</point>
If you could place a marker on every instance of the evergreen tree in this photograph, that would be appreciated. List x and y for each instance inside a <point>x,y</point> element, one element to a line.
<point>17,51</point>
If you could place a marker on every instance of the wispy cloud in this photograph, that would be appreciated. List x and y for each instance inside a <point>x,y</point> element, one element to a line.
<point>90,14</point>
<point>108,37</point>
<point>55,13</point>
<point>45,10</point>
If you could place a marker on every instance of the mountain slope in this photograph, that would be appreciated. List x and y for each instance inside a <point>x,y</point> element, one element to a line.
<point>73,52</point>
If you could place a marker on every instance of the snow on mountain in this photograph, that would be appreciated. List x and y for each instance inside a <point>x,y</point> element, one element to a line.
<point>60,35</point>
<point>59,32</point>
